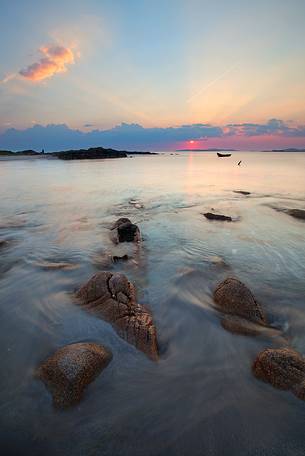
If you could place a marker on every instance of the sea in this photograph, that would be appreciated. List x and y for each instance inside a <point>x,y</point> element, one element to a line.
<point>201,397</point>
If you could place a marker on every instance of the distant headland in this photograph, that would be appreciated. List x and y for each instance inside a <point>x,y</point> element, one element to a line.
<point>77,154</point>
<point>289,149</point>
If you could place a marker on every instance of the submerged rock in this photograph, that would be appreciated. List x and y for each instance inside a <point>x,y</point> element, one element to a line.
<point>283,368</point>
<point>211,216</point>
<point>113,298</point>
<point>242,192</point>
<point>297,213</point>
<point>54,265</point>
<point>218,261</point>
<point>233,297</point>
<point>125,231</point>
<point>3,243</point>
<point>244,327</point>
<point>137,204</point>
<point>70,369</point>
<point>117,258</point>
<point>239,325</point>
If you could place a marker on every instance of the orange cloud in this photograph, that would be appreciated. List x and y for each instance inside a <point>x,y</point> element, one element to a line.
<point>54,61</point>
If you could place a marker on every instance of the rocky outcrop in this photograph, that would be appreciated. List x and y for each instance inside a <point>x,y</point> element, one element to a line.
<point>219,217</point>
<point>125,231</point>
<point>70,369</point>
<point>113,298</point>
<point>283,368</point>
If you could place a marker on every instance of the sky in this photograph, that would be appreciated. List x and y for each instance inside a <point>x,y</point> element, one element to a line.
<point>158,74</point>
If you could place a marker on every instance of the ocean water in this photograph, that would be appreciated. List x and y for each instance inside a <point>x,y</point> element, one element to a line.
<point>201,397</point>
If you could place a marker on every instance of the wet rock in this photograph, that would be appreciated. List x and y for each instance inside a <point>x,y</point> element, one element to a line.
<point>125,231</point>
<point>233,297</point>
<point>283,368</point>
<point>297,213</point>
<point>242,192</point>
<point>54,265</point>
<point>117,258</point>
<point>70,369</point>
<point>113,298</point>
<point>218,261</point>
<point>137,204</point>
<point>3,243</point>
<point>238,325</point>
<point>244,327</point>
<point>211,216</point>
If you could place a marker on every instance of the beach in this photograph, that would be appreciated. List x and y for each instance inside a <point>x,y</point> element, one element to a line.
<point>201,397</point>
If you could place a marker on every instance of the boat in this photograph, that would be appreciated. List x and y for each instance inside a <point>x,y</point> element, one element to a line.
<point>223,155</point>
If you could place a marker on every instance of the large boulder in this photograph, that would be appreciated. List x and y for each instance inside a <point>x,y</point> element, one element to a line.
<point>233,297</point>
<point>113,298</point>
<point>125,231</point>
<point>70,369</point>
<point>283,368</point>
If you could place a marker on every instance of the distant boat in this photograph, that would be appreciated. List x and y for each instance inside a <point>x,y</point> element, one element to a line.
<point>223,155</point>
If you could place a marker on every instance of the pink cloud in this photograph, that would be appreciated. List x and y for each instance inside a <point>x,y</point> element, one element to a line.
<point>55,60</point>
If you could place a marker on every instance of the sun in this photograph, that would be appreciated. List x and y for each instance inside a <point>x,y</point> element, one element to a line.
<point>192,141</point>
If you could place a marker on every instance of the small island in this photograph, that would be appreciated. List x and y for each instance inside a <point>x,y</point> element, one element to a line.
<point>77,154</point>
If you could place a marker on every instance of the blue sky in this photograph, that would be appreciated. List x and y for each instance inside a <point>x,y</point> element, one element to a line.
<point>154,63</point>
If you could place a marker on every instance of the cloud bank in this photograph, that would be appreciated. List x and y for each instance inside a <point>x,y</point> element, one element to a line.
<point>135,136</point>
<point>55,60</point>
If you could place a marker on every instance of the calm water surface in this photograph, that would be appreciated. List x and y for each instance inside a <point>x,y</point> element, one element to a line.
<point>201,398</point>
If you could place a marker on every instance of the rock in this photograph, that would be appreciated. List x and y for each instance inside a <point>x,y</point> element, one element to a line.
<point>242,192</point>
<point>3,243</point>
<point>218,261</point>
<point>125,231</point>
<point>117,258</point>
<point>238,325</point>
<point>211,216</point>
<point>242,326</point>
<point>119,222</point>
<point>113,298</point>
<point>297,213</point>
<point>136,203</point>
<point>70,369</point>
<point>233,297</point>
<point>53,265</point>
<point>283,368</point>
